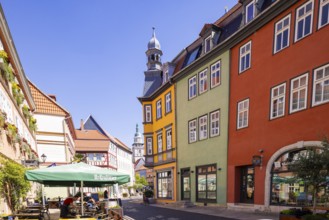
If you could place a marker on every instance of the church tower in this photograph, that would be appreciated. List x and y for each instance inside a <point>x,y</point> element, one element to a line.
<point>138,146</point>
<point>153,75</point>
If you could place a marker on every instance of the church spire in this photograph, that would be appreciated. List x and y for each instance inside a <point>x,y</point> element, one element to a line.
<point>154,53</point>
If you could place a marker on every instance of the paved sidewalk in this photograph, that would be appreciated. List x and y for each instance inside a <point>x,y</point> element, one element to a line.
<point>224,212</point>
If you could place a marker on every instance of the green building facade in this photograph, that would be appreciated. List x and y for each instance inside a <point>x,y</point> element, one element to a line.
<point>202,91</point>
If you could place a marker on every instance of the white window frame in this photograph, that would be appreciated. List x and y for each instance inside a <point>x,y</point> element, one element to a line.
<point>244,52</point>
<point>278,100</point>
<point>215,73</point>
<point>297,88</point>
<point>203,127</point>
<point>159,109</point>
<point>214,123</point>
<point>192,130</point>
<point>148,113</point>
<point>159,142</point>
<point>168,102</point>
<point>149,145</point>
<point>168,139</point>
<point>207,42</point>
<point>253,11</point>
<point>323,81</point>
<point>243,114</point>
<point>280,29</point>
<point>192,87</point>
<point>203,81</point>
<point>302,18</point>
<point>323,3</point>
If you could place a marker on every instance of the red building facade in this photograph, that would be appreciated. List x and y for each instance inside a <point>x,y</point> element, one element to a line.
<point>279,101</point>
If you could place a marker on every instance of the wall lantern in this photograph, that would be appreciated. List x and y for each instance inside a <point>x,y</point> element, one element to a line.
<point>43,158</point>
<point>257,160</point>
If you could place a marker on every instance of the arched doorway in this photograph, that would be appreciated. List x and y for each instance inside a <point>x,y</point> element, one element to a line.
<point>281,186</point>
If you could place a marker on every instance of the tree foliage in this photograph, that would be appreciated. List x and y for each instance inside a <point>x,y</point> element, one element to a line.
<point>140,182</point>
<point>13,186</point>
<point>312,167</point>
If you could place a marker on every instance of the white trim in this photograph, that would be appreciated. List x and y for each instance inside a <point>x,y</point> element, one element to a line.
<point>281,32</point>
<point>208,39</point>
<point>244,52</point>
<point>280,98</point>
<point>191,129</point>
<point>214,70</point>
<point>203,81</point>
<point>323,81</point>
<point>253,10</point>
<point>216,128</point>
<point>192,82</point>
<point>203,127</point>
<point>298,90</point>
<point>323,3</point>
<point>243,111</point>
<point>302,18</point>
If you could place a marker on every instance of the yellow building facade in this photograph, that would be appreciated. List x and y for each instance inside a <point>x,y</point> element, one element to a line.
<point>160,142</point>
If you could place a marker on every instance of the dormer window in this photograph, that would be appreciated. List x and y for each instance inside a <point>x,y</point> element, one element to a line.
<point>250,11</point>
<point>207,44</point>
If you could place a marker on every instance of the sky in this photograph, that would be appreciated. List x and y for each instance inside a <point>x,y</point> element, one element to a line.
<point>91,54</point>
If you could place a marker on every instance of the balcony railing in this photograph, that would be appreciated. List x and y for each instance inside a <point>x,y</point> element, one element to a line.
<point>163,157</point>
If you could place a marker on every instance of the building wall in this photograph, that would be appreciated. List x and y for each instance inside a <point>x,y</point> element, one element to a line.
<point>125,165</point>
<point>267,71</point>
<point>158,126</point>
<point>210,150</point>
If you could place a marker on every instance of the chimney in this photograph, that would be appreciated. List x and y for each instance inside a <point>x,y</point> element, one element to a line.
<point>226,9</point>
<point>53,97</point>
<point>82,126</point>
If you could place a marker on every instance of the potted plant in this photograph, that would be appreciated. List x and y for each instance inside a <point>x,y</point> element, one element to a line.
<point>11,131</point>
<point>148,196</point>
<point>293,214</point>
<point>3,117</point>
<point>26,111</point>
<point>32,123</point>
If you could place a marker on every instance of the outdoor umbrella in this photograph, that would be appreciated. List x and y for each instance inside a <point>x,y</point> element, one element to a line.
<point>79,173</point>
<point>67,175</point>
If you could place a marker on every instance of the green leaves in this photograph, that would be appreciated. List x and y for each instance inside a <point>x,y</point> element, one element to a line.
<point>13,185</point>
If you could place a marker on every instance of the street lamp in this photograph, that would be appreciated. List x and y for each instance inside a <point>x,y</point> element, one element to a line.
<point>43,158</point>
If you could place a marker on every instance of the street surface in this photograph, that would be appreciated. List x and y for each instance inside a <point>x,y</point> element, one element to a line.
<point>138,211</point>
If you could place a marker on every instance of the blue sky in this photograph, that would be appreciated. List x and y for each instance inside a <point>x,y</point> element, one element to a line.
<point>91,54</point>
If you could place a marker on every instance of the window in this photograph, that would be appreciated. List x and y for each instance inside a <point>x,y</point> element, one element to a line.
<point>215,74</point>
<point>192,87</point>
<point>203,81</point>
<point>304,19</point>
<point>192,131</point>
<point>159,112</point>
<point>168,139</point>
<point>206,183</point>
<point>149,145</point>
<point>207,44</point>
<point>165,185</point>
<point>168,102</point>
<point>324,13</point>
<point>278,101</point>
<point>90,157</point>
<point>148,113</point>
<point>192,56</point>
<point>214,124</point>
<point>250,11</point>
<point>203,127</point>
<point>298,93</point>
<point>282,29</point>
<point>321,85</point>
<point>159,143</point>
<point>99,157</point>
<point>245,57</point>
<point>243,114</point>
